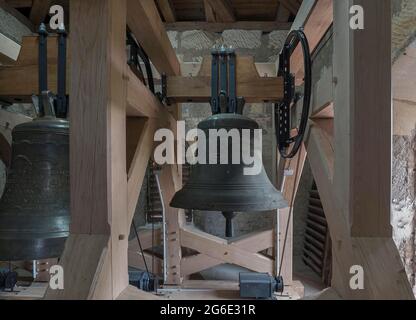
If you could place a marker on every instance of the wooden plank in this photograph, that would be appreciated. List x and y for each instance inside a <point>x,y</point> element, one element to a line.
<point>197,263</point>
<point>169,186</point>
<point>147,238</point>
<point>40,9</point>
<point>209,13</point>
<point>211,284</point>
<point>97,158</point>
<point>80,273</point>
<point>9,50</point>
<point>253,243</point>
<point>150,32</point>
<point>282,13</point>
<point>138,167</point>
<point>154,264</point>
<point>249,84</point>
<point>316,25</point>
<point>220,249</point>
<point>20,3</point>
<point>292,6</point>
<point>363,101</point>
<point>132,293</point>
<point>222,10</point>
<point>167,10</point>
<point>218,27</point>
<point>324,112</point>
<point>19,80</point>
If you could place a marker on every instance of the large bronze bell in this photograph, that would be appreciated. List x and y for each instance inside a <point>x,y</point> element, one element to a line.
<point>225,187</point>
<point>34,209</point>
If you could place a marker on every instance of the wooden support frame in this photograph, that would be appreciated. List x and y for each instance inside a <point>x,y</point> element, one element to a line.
<point>102,207</point>
<point>214,251</point>
<point>9,50</point>
<point>249,84</point>
<point>335,160</point>
<point>315,17</point>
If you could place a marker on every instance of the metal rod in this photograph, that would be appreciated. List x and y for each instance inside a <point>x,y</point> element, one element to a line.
<point>232,104</point>
<point>223,79</point>
<point>43,64</point>
<point>62,108</point>
<point>214,83</point>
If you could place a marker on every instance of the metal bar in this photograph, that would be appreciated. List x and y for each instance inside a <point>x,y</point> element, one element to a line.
<point>232,104</point>
<point>62,107</point>
<point>214,83</point>
<point>223,80</point>
<point>43,64</point>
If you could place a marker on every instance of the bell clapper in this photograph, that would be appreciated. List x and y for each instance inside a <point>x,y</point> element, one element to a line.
<point>229,228</point>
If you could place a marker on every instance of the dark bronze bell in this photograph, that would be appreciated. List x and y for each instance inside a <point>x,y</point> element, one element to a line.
<point>34,209</point>
<point>225,187</point>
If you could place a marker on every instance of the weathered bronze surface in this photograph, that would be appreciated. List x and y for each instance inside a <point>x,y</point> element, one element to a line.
<point>34,209</point>
<point>224,187</point>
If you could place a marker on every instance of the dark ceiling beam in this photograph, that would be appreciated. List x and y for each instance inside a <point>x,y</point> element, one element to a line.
<point>282,13</point>
<point>40,10</point>
<point>167,10</point>
<point>20,3</point>
<point>15,13</point>
<point>266,26</point>
<point>209,12</point>
<point>222,10</point>
<point>291,5</point>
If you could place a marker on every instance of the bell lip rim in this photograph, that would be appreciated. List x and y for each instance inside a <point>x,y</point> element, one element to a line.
<point>215,118</point>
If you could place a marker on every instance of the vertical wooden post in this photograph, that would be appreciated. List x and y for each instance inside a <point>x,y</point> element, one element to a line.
<point>362,67</point>
<point>285,232</point>
<point>169,183</point>
<point>95,256</point>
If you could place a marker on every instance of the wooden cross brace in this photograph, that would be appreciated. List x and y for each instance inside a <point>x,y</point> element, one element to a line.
<point>214,251</point>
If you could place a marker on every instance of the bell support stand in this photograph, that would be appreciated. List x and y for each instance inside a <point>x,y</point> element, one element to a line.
<point>224,187</point>
<point>282,112</point>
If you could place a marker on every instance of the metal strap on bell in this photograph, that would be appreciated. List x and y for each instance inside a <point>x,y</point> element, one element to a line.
<point>34,209</point>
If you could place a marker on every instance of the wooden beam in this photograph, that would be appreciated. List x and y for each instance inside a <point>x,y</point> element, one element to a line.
<point>252,243</point>
<point>168,184</point>
<point>40,10</point>
<point>97,158</point>
<point>290,5</point>
<point>218,27</point>
<point>282,13</point>
<point>363,119</point>
<point>220,249</point>
<point>20,3</point>
<point>150,32</point>
<point>147,238</point>
<point>222,10</point>
<point>9,50</point>
<point>140,160</point>
<point>316,25</point>
<point>209,13</point>
<point>136,261</point>
<point>324,112</point>
<point>348,251</point>
<point>249,84</point>
<point>167,10</point>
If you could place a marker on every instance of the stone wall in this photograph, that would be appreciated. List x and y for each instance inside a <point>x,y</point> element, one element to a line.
<point>193,45</point>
